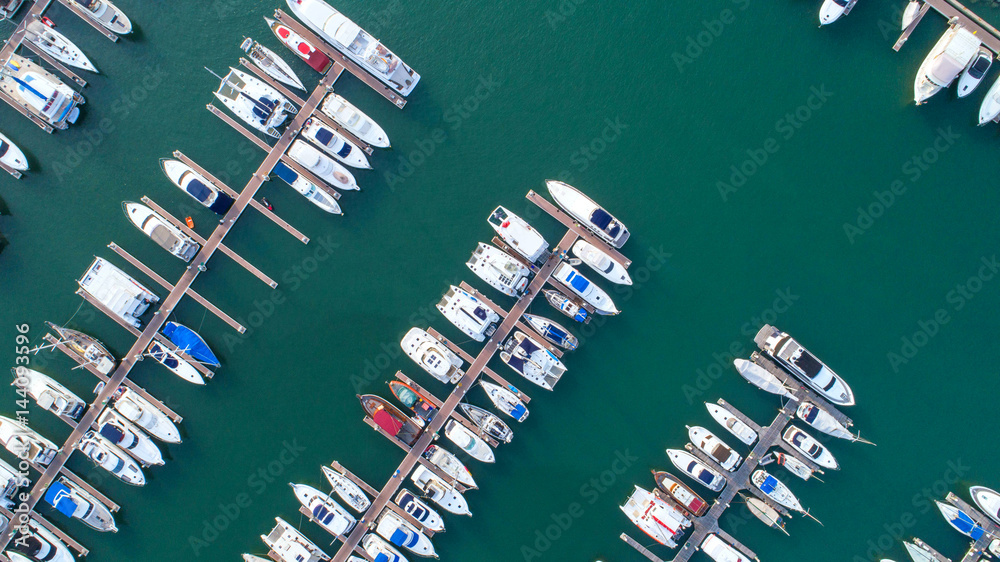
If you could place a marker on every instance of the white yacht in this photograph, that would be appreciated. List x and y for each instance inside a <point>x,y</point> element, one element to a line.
<point>40,92</point>
<point>822,420</point>
<point>810,447</point>
<point>325,511</point>
<point>325,168</point>
<point>432,356</point>
<point>26,443</point>
<point>663,522</point>
<point>347,490</point>
<point>56,45</point>
<point>733,424</point>
<point>380,550</point>
<point>107,15</point>
<point>987,500</point>
<point>833,10</point>
<point>518,234</point>
<point>718,549</point>
<point>253,101</point>
<point>761,378</point>
<point>307,189</point>
<point>11,155</point>
<point>804,365</point>
<point>990,108</point>
<point>11,481</point>
<point>400,532</point>
<point>419,511</point>
<point>120,293</point>
<point>109,457</point>
<point>688,464</point>
<point>47,393</point>
<point>268,61</point>
<point>450,465</point>
<point>439,491</point>
<point>715,448</point>
<point>470,443</point>
<point>37,545</point>
<point>469,314</point>
<point>354,120</point>
<point>174,363</point>
<point>949,57</point>
<point>585,289</point>
<point>588,213</point>
<point>499,270</point>
<point>161,231</point>
<point>335,144</point>
<point>356,43</point>
<point>143,413</point>
<point>197,186</point>
<point>601,262</point>
<point>73,501</point>
<point>290,545</point>
<point>975,72</point>
<point>776,490</point>
<point>532,361</point>
<point>128,437</point>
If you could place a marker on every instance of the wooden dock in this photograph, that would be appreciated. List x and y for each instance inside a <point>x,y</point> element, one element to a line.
<point>521,325</point>
<point>436,402</point>
<point>54,63</point>
<point>968,19</point>
<point>978,549</point>
<point>490,374</point>
<point>640,549</point>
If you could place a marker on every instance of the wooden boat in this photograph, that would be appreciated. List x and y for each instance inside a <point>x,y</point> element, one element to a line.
<point>680,493</point>
<point>87,347</point>
<point>412,399</point>
<point>765,513</point>
<point>488,422</point>
<point>390,418</point>
<point>305,50</point>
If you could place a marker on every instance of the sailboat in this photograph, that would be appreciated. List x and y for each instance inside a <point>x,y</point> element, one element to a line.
<point>56,45</point>
<point>271,63</point>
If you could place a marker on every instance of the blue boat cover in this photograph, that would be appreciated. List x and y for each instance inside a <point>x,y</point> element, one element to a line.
<point>324,136</point>
<point>344,150</point>
<point>59,497</point>
<point>529,346</point>
<point>198,190</point>
<point>112,433</point>
<point>516,363</point>
<point>222,204</point>
<point>190,342</point>
<point>812,415</point>
<point>285,173</point>
<point>519,411</point>
<point>555,334</point>
<point>402,538</point>
<point>578,282</point>
<point>600,218</point>
<point>581,316</point>
<point>382,557</point>
<point>769,485</point>
<point>967,526</point>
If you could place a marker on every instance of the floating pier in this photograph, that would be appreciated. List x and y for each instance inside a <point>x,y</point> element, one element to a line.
<point>521,325</point>
<point>436,402</point>
<point>968,19</point>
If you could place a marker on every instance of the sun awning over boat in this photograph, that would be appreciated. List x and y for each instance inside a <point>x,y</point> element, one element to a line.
<point>285,173</point>
<point>388,422</point>
<point>112,433</point>
<point>59,497</point>
<point>324,135</point>
<point>162,236</point>
<point>579,283</point>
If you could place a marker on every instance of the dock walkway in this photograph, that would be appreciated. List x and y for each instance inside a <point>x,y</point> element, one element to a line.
<point>968,19</point>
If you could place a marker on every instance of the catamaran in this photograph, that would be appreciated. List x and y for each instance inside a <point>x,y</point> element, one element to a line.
<point>354,120</point>
<point>804,365</point>
<point>663,522</point>
<point>253,101</point>
<point>40,92</point>
<point>335,144</point>
<point>469,314</point>
<point>120,293</point>
<point>532,361</point>
<point>57,45</point>
<point>290,545</point>
<point>161,231</point>
<point>499,270</point>
<point>307,189</point>
<point>432,356</point>
<point>268,61</point>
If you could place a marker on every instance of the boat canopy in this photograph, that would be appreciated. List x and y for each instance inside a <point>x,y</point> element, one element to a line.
<point>388,422</point>
<point>407,397</point>
<point>603,220</point>
<point>285,173</point>
<point>324,135</point>
<point>61,498</point>
<point>347,32</point>
<point>189,342</point>
<point>402,538</point>
<point>769,485</point>
<point>578,282</point>
<point>112,433</point>
<point>956,56</point>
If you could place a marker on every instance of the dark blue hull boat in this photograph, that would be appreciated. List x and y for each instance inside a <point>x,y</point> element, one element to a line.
<point>188,341</point>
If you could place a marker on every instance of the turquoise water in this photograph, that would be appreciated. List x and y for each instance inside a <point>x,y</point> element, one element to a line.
<point>620,104</point>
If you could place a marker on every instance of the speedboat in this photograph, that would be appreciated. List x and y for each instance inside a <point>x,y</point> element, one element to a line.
<point>325,168</point>
<point>412,399</point>
<point>304,49</point>
<point>776,490</point>
<point>765,513</point>
<point>12,156</point>
<point>128,437</point>
<point>325,511</point>
<point>390,419</point>
<point>7,10</point>
<point>488,422</point>
<point>680,493</point>
<point>354,120</point>
<point>718,549</point>
<point>949,57</point>
<point>468,313</point>
<point>258,104</point>
<point>960,521</point>
<point>188,341</point>
<point>90,348</point>
<point>552,332</point>
<point>348,491</point>
<point>174,363</point>
<point>505,400</point>
<point>26,443</point>
<point>335,144</point>
<point>733,424</point>
<point>518,234</point>
<point>532,361</point>
<point>268,61</point>
<point>469,442</point>
<point>663,522</point>
<point>585,289</point>
<point>117,291</point>
<point>714,447</point>
<point>195,185</point>
<point>822,420</point>
<point>109,457</point>
<point>439,491</point>
<point>432,356</point>
<point>290,545</point>
<point>56,45</point>
<point>795,466</point>
<point>144,414</point>
<point>450,465</point>
<point>688,464</point>
<point>832,10</point>
<point>73,501</point>
<point>804,365</point>
<point>759,377</point>
<point>588,213</point>
<point>307,189</point>
<point>602,263</point>
<point>47,393</point>
<point>975,72</point>
<point>161,231</point>
<point>40,92</point>
<point>380,550</point>
<point>400,532</point>
<point>918,551</point>
<point>419,511</point>
<point>563,304</point>
<point>499,270</point>
<point>987,500</point>
<point>808,446</point>
<point>107,15</point>
<point>357,44</point>
<point>37,545</point>
<point>990,108</point>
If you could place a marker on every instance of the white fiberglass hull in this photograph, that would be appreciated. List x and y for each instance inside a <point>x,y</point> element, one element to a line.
<point>990,108</point>
<point>323,166</point>
<point>354,120</point>
<point>12,155</point>
<point>602,263</point>
<point>57,46</point>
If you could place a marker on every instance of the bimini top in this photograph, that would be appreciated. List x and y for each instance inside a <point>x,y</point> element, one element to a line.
<point>60,497</point>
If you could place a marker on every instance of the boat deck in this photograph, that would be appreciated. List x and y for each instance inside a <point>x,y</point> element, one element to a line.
<point>456,415</point>
<point>968,19</point>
